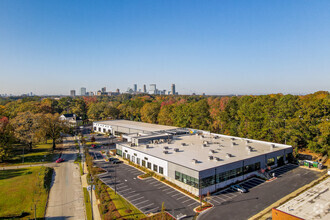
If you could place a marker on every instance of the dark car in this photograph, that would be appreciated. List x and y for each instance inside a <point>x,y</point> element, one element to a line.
<point>114,160</point>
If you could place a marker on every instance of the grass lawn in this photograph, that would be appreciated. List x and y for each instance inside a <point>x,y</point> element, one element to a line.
<point>41,153</point>
<point>87,204</point>
<point>122,205</point>
<point>20,187</point>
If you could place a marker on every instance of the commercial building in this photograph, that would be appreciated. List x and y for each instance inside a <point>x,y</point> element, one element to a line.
<point>135,87</point>
<point>197,161</point>
<point>72,92</point>
<point>312,204</point>
<point>173,89</point>
<point>82,91</point>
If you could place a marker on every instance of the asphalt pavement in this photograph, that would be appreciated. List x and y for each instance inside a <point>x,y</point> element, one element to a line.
<point>147,195</point>
<point>260,195</point>
<point>66,199</point>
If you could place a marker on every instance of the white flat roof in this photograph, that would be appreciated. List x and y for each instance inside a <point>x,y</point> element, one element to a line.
<point>312,204</point>
<point>137,125</point>
<point>217,147</point>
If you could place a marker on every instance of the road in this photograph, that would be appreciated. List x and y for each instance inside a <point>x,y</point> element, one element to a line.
<point>66,198</point>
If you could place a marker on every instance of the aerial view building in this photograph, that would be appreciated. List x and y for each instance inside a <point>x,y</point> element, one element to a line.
<point>196,160</point>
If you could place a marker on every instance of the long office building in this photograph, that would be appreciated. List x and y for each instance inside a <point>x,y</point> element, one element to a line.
<point>197,161</point>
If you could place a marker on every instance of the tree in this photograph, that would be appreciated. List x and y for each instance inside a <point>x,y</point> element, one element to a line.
<point>149,112</point>
<point>25,126</point>
<point>6,138</point>
<point>54,127</point>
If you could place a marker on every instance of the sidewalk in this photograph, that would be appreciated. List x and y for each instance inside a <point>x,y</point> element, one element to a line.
<point>96,212</point>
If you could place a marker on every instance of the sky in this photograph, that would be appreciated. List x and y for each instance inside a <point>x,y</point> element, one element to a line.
<point>215,47</point>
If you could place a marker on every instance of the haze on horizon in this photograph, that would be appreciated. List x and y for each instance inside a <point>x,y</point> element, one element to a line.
<point>213,47</point>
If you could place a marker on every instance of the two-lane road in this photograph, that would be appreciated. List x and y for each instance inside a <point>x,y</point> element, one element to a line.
<point>66,199</point>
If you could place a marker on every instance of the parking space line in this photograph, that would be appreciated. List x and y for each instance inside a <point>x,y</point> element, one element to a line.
<point>180,197</point>
<point>132,196</point>
<point>162,187</point>
<point>170,192</point>
<point>150,210</point>
<point>153,183</point>
<point>124,190</point>
<point>146,206</point>
<point>137,199</point>
<point>175,195</point>
<point>186,200</point>
<point>141,202</point>
<point>192,203</point>
<point>122,187</point>
<point>166,189</point>
<point>149,180</point>
<point>220,198</point>
<point>216,201</point>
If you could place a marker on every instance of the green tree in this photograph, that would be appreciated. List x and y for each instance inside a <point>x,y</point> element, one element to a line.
<point>54,127</point>
<point>6,138</point>
<point>149,112</point>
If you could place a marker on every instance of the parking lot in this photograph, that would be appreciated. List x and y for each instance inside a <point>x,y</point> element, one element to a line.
<point>147,195</point>
<point>228,193</point>
<point>235,205</point>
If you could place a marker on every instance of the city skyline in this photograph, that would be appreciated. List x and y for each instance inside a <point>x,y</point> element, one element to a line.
<point>219,48</point>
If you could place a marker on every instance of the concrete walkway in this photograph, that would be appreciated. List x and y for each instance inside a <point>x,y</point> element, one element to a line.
<point>26,166</point>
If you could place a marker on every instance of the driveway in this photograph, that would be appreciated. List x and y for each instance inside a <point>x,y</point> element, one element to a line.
<point>66,198</point>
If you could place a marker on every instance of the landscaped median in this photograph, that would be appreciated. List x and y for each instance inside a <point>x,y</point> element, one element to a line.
<point>87,204</point>
<point>22,190</point>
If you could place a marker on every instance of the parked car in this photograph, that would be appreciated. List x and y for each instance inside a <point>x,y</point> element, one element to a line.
<point>59,160</point>
<point>93,146</point>
<point>238,188</point>
<point>114,160</point>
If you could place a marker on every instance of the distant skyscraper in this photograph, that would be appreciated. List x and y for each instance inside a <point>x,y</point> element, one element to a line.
<point>153,89</point>
<point>144,88</point>
<point>104,89</point>
<point>173,89</point>
<point>118,91</point>
<point>82,91</point>
<point>73,92</point>
<point>135,87</point>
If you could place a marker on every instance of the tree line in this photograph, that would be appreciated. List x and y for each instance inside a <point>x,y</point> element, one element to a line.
<point>299,120</point>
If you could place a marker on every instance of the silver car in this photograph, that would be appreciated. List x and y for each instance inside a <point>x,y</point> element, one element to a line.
<point>238,188</point>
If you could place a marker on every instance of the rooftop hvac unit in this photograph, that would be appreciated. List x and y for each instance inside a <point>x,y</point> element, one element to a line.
<point>210,157</point>
<point>211,152</point>
<point>204,145</point>
<point>194,161</point>
<point>229,155</point>
<point>176,149</point>
<point>165,148</point>
<point>217,159</point>
<point>216,137</point>
<point>272,146</point>
<point>165,152</point>
<point>233,144</point>
<point>205,142</point>
<point>147,146</point>
<point>232,139</point>
<point>183,144</point>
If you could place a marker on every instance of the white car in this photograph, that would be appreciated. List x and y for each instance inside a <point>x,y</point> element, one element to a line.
<point>238,188</point>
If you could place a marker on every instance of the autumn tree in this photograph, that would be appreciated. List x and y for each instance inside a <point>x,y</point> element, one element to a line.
<point>54,127</point>
<point>26,128</point>
<point>149,112</point>
<point>6,138</point>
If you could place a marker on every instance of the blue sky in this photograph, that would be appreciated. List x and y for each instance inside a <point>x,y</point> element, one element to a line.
<point>216,47</point>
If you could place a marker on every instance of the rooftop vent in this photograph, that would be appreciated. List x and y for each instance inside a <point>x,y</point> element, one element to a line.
<point>204,145</point>
<point>176,149</point>
<point>232,139</point>
<point>165,152</point>
<point>210,157</point>
<point>183,144</point>
<point>165,148</point>
<point>216,137</point>
<point>212,152</point>
<point>233,144</point>
<point>205,142</point>
<point>194,161</point>
<point>217,158</point>
<point>272,146</point>
<point>229,155</point>
<point>147,146</point>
